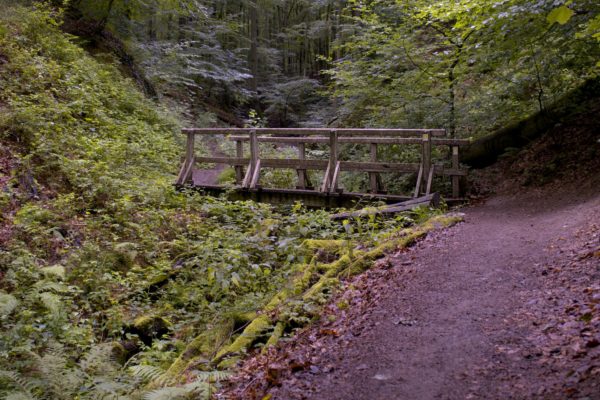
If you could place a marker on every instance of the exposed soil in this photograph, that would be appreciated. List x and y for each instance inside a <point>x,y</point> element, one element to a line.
<point>503,306</point>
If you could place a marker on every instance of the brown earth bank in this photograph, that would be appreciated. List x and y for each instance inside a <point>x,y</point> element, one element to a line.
<point>503,306</point>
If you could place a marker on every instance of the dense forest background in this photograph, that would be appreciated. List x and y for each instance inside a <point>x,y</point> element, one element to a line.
<point>115,285</point>
<point>467,66</point>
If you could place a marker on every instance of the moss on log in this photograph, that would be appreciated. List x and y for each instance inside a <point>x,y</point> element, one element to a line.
<point>349,263</point>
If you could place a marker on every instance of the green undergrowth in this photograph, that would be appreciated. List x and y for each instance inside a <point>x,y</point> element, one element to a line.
<point>114,285</point>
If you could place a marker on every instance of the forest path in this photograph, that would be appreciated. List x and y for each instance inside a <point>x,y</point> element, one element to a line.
<point>442,326</point>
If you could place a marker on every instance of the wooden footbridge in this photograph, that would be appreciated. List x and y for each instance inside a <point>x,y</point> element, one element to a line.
<point>248,163</point>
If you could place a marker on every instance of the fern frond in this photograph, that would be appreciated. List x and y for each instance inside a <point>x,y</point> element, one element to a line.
<point>52,302</point>
<point>108,390</point>
<point>168,393</point>
<point>99,360</point>
<point>49,286</point>
<point>25,384</point>
<point>61,378</point>
<point>202,390</point>
<point>8,303</point>
<point>19,396</point>
<point>148,373</point>
<point>55,271</point>
<point>212,376</point>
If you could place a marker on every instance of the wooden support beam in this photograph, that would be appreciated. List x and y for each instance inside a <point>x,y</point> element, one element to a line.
<point>353,140</point>
<point>333,158</point>
<point>301,172</point>
<point>325,184</point>
<point>419,179</point>
<point>248,177</point>
<point>455,179</point>
<point>318,131</point>
<point>239,153</point>
<point>255,175</point>
<point>373,175</point>
<point>334,180</point>
<point>426,155</point>
<point>179,180</point>
<point>429,181</point>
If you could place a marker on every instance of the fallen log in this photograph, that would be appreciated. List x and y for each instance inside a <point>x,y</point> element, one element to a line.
<point>431,199</point>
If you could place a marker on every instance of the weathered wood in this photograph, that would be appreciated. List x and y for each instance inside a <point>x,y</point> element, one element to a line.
<point>318,131</point>
<point>239,170</point>
<point>352,140</point>
<point>455,179</point>
<point>255,175</point>
<point>426,170</point>
<point>431,199</point>
<point>426,156</point>
<point>248,177</point>
<point>325,183</point>
<point>429,181</point>
<point>301,172</point>
<point>223,160</point>
<point>185,172</point>
<point>187,175</point>
<point>254,149</point>
<point>373,175</point>
<point>378,167</point>
<point>333,157</point>
<point>310,198</point>
<point>334,179</point>
<point>181,173</point>
<point>316,164</point>
<point>189,150</point>
<point>419,179</point>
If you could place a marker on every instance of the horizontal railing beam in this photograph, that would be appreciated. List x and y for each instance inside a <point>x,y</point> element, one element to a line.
<point>317,131</point>
<point>354,140</point>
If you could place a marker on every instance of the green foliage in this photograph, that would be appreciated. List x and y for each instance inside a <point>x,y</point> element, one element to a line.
<point>102,246</point>
<point>469,66</point>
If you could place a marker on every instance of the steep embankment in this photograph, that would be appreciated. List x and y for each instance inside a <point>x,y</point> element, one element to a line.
<point>505,305</point>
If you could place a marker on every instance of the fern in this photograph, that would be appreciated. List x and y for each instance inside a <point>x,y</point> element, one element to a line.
<point>48,286</point>
<point>100,360</point>
<point>212,376</point>
<point>8,303</point>
<point>52,302</point>
<point>25,385</point>
<point>200,390</point>
<point>55,271</point>
<point>149,373</point>
<point>19,396</point>
<point>168,393</point>
<point>108,390</point>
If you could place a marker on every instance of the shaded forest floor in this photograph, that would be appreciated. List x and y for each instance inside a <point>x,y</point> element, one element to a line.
<point>505,305</point>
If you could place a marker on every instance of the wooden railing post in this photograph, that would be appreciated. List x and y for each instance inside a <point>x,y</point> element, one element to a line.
<point>186,172</point>
<point>426,158</point>
<point>333,159</point>
<point>301,172</point>
<point>239,170</point>
<point>254,157</point>
<point>373,175</point>
<point>455,178</point>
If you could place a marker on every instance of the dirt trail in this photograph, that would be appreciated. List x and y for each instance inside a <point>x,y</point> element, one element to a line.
<point>442,327</point>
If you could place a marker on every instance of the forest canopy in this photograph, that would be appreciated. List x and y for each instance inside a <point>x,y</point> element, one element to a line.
<point>469,66</point>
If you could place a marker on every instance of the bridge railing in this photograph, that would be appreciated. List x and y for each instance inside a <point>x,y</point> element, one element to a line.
<point>248,169</point>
